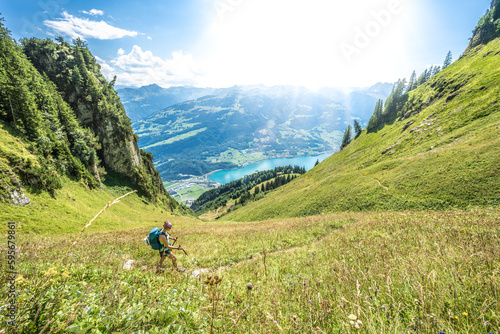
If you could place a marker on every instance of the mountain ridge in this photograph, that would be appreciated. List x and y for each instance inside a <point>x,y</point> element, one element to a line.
<point>440,152</point>
<point>244,124</point>
<point>69,120</point>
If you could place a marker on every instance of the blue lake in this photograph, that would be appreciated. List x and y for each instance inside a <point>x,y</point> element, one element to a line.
<point>226,176</point>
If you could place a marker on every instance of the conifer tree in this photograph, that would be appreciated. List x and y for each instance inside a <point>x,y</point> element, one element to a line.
<point>347,137</point>
<point>447,60</point>
<point>357,129</point>
<point>422,78</point>
<point>377,114</point>
<point>428,74</point>
<point>436,70</point>
<point>412,84</point>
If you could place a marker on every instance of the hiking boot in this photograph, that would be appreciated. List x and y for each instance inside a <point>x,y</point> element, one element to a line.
<point>181,270</point>
<point>160,270</point>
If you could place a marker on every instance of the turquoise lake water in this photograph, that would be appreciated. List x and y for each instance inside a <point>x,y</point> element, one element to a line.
<point>226,176</point>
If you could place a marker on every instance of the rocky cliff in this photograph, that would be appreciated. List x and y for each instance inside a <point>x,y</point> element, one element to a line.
<point>71,121</point>
<point>77,76</point>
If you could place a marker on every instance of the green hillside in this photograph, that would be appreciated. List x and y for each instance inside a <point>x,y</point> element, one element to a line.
<point>63,124</point>
<point>442,152</point>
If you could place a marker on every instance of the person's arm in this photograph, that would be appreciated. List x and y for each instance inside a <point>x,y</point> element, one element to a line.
<point>169,236</point>
<point>164,241</point>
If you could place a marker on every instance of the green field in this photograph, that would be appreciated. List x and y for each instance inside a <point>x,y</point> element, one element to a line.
<point>176,138</point>
<point>395,272</point>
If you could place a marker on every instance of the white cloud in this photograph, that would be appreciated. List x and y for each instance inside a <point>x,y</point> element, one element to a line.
<point>84,28</point>
<point>94,12</point>
<point>141,68</point>
<point>121,52</point>
<point>106,70</point>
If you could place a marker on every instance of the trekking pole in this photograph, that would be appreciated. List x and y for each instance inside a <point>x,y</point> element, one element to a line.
<point>183,250</point>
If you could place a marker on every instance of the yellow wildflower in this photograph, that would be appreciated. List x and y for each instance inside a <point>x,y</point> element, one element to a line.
<point>65,274</point>
<point>465,314</point>
<point>21,281</point>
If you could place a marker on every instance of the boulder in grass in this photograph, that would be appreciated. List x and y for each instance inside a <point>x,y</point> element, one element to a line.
<point>128,265</point>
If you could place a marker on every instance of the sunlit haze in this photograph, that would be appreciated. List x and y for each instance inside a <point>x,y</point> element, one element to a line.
<point>221,43</point>
<point>313,43</point>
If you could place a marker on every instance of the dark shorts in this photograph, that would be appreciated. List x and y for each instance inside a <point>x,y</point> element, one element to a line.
<point>165,252</point>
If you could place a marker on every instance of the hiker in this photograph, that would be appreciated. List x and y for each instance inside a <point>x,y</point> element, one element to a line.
<point>166,248</point>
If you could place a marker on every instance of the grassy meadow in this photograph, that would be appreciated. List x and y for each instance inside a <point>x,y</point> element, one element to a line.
<point>442,155</point>
<point>397,233</point>
<point>392,272</point>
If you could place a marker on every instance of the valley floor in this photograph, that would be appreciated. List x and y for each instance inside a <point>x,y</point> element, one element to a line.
<point>392,272</point>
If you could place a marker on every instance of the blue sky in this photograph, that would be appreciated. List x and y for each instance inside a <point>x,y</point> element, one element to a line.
<point>312,43</point>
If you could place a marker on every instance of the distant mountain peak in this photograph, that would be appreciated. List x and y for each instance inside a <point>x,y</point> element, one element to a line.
<point>151,86</point>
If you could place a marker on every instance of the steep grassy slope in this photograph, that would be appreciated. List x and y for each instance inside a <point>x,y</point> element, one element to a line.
<point>443,152</point>
<point>69,207</point>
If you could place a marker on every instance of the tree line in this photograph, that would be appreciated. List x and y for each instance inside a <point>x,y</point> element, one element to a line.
<point>241,189</point>
<point>387,111</point>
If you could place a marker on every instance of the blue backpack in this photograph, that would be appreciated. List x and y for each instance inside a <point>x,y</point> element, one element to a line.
<point>154,238</point>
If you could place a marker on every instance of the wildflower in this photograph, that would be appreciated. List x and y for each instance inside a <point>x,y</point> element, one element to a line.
<point>21,281</point>
<point>309,301</point>
<point>352,317</point>
<point>51,272</point>
<point>383,306</point>
<point>65,274</point>
<point>441,332</point>
<point>304,283</point>
<point>465,314</point>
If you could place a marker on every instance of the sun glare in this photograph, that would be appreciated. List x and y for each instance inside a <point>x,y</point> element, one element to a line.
<point>314,43</point>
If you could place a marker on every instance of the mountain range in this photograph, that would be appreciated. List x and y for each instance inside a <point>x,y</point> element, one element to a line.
<point>144,101</point>
<point>241,124</point>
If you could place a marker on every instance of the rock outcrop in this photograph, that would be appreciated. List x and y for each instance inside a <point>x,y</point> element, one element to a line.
<point>488,27</point>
